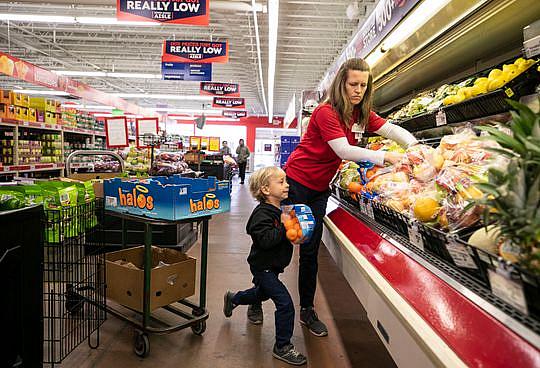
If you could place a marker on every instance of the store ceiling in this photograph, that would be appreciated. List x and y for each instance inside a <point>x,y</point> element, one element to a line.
<point>311,34</point>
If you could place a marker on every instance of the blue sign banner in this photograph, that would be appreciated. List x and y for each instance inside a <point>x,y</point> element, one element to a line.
<point>186,71</point>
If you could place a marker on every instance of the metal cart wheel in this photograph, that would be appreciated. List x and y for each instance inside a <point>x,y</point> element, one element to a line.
<point>141,344</point>
<point>199,328</point>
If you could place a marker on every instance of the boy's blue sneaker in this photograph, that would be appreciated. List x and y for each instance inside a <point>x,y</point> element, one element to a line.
<point>255,314</point>
<point>228,305</point>
<point>288,354</point>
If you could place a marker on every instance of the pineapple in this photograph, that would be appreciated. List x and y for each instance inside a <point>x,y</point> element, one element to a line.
<point>512,198</point>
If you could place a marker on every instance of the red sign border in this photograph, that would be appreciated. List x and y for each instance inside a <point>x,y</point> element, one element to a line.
<point>198,20</point>
<point>169,58</point>
<point>205,93</point>
<point>238,107</point>
<point>137,130</point>
<point>107,131</point>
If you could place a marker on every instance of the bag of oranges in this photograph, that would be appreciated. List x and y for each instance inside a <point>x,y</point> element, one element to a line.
<point>299,222</point>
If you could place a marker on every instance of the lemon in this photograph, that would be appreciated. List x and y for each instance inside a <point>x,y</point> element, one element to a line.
<point>426,209</point>
<point>519,61</point>
<point>481,81</point>
<point>496,84</point>
<point>449,100</point>
<point>494,74</point>
<point>476,90</point>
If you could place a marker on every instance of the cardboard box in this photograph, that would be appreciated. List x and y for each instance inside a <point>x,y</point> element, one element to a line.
<point>21,100</point>
<point>169,283</point>
<point>37,103</point>
<point>50,117</point>
<point>21,113</point>
<point>4,96</point>
<point>170,198</point>
<point>32,115</point>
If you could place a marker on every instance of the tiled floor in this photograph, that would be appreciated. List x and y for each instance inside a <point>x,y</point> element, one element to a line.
<point>234,342</point>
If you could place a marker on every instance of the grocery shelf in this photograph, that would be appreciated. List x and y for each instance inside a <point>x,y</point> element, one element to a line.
<point>490,103</point>
<point>52,127</point>
<point>13,169</point>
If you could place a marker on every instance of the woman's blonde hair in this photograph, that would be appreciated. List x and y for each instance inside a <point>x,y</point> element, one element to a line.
<point>337,94</point>
<point>260,178</point>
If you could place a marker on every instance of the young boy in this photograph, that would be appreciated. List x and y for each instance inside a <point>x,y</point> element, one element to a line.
<point>270,253</point>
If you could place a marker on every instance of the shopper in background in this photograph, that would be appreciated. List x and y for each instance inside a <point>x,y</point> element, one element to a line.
<point>270,253</point>
<point>330,138</point>
<point>225,149</point>
<point>242,152</point>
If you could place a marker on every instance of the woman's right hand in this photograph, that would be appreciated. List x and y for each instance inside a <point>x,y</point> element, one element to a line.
<point>393,157</point>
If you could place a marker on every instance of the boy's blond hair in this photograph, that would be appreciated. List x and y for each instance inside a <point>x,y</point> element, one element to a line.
<point>261,178</point>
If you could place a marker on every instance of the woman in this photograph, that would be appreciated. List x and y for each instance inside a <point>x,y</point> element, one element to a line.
<point>332,134</point>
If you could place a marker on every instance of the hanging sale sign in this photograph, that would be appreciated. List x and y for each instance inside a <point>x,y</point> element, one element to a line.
<point>186,71</point>
<point>235,114</point>
<point>214,144</point>
<point>195,52</point>
<point>220,89</point>
<point>116,132</point>
<point>148,126</point>
<point>195,12</point>
<point>229,102</point>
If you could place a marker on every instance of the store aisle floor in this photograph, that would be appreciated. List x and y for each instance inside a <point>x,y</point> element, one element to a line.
<point>234,342</point>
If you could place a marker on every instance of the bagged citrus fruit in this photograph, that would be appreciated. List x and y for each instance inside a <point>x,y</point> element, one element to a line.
<point>299,222</point>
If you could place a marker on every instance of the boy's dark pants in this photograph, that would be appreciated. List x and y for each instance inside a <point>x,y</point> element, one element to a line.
<point>268,286</point>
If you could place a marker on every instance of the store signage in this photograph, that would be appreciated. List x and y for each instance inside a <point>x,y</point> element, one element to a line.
<point>116,132</point>
<point>145,126</point>
<point>17,68</point>
<point>214,144</point>
<point>234,114</point>
<point>384,18</point>
<point>195,143</point>
<point>220,89</point>
<point>195,12</point>
<point>195,52</point>
<point>186,71</point>
<point>229,102</point>
<point>205,143</point>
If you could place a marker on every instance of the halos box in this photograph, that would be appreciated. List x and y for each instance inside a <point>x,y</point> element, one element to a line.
<point>170,198</point>
<point>305,218</point>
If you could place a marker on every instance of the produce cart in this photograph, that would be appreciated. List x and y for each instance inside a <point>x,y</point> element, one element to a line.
<point>147,323</point>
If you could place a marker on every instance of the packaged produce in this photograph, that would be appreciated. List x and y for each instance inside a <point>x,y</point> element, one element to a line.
<point>299,222</point>
<point>10,199</point>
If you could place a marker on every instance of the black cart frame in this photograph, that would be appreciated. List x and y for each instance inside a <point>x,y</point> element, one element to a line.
<point>196,319</point>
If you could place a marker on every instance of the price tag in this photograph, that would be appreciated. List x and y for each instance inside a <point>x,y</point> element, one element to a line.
<point>508,289</point>
<point>460,255</point>
<point>509,92</point>
<point>25,123</point>
<point>440,118</point>
<point>369,209</point>
<point>414,235</point>
<point>337,194</point>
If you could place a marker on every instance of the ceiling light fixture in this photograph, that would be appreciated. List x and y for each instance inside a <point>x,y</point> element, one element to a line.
<point>187,111</point>
<point>164,97</point>
<point>259,59</point>
<point>88,107</point>
<point>416,19</point>
<point>80,73</point>
<point>273,20</point>
<point>208,118</point>
<point>43,92</point>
